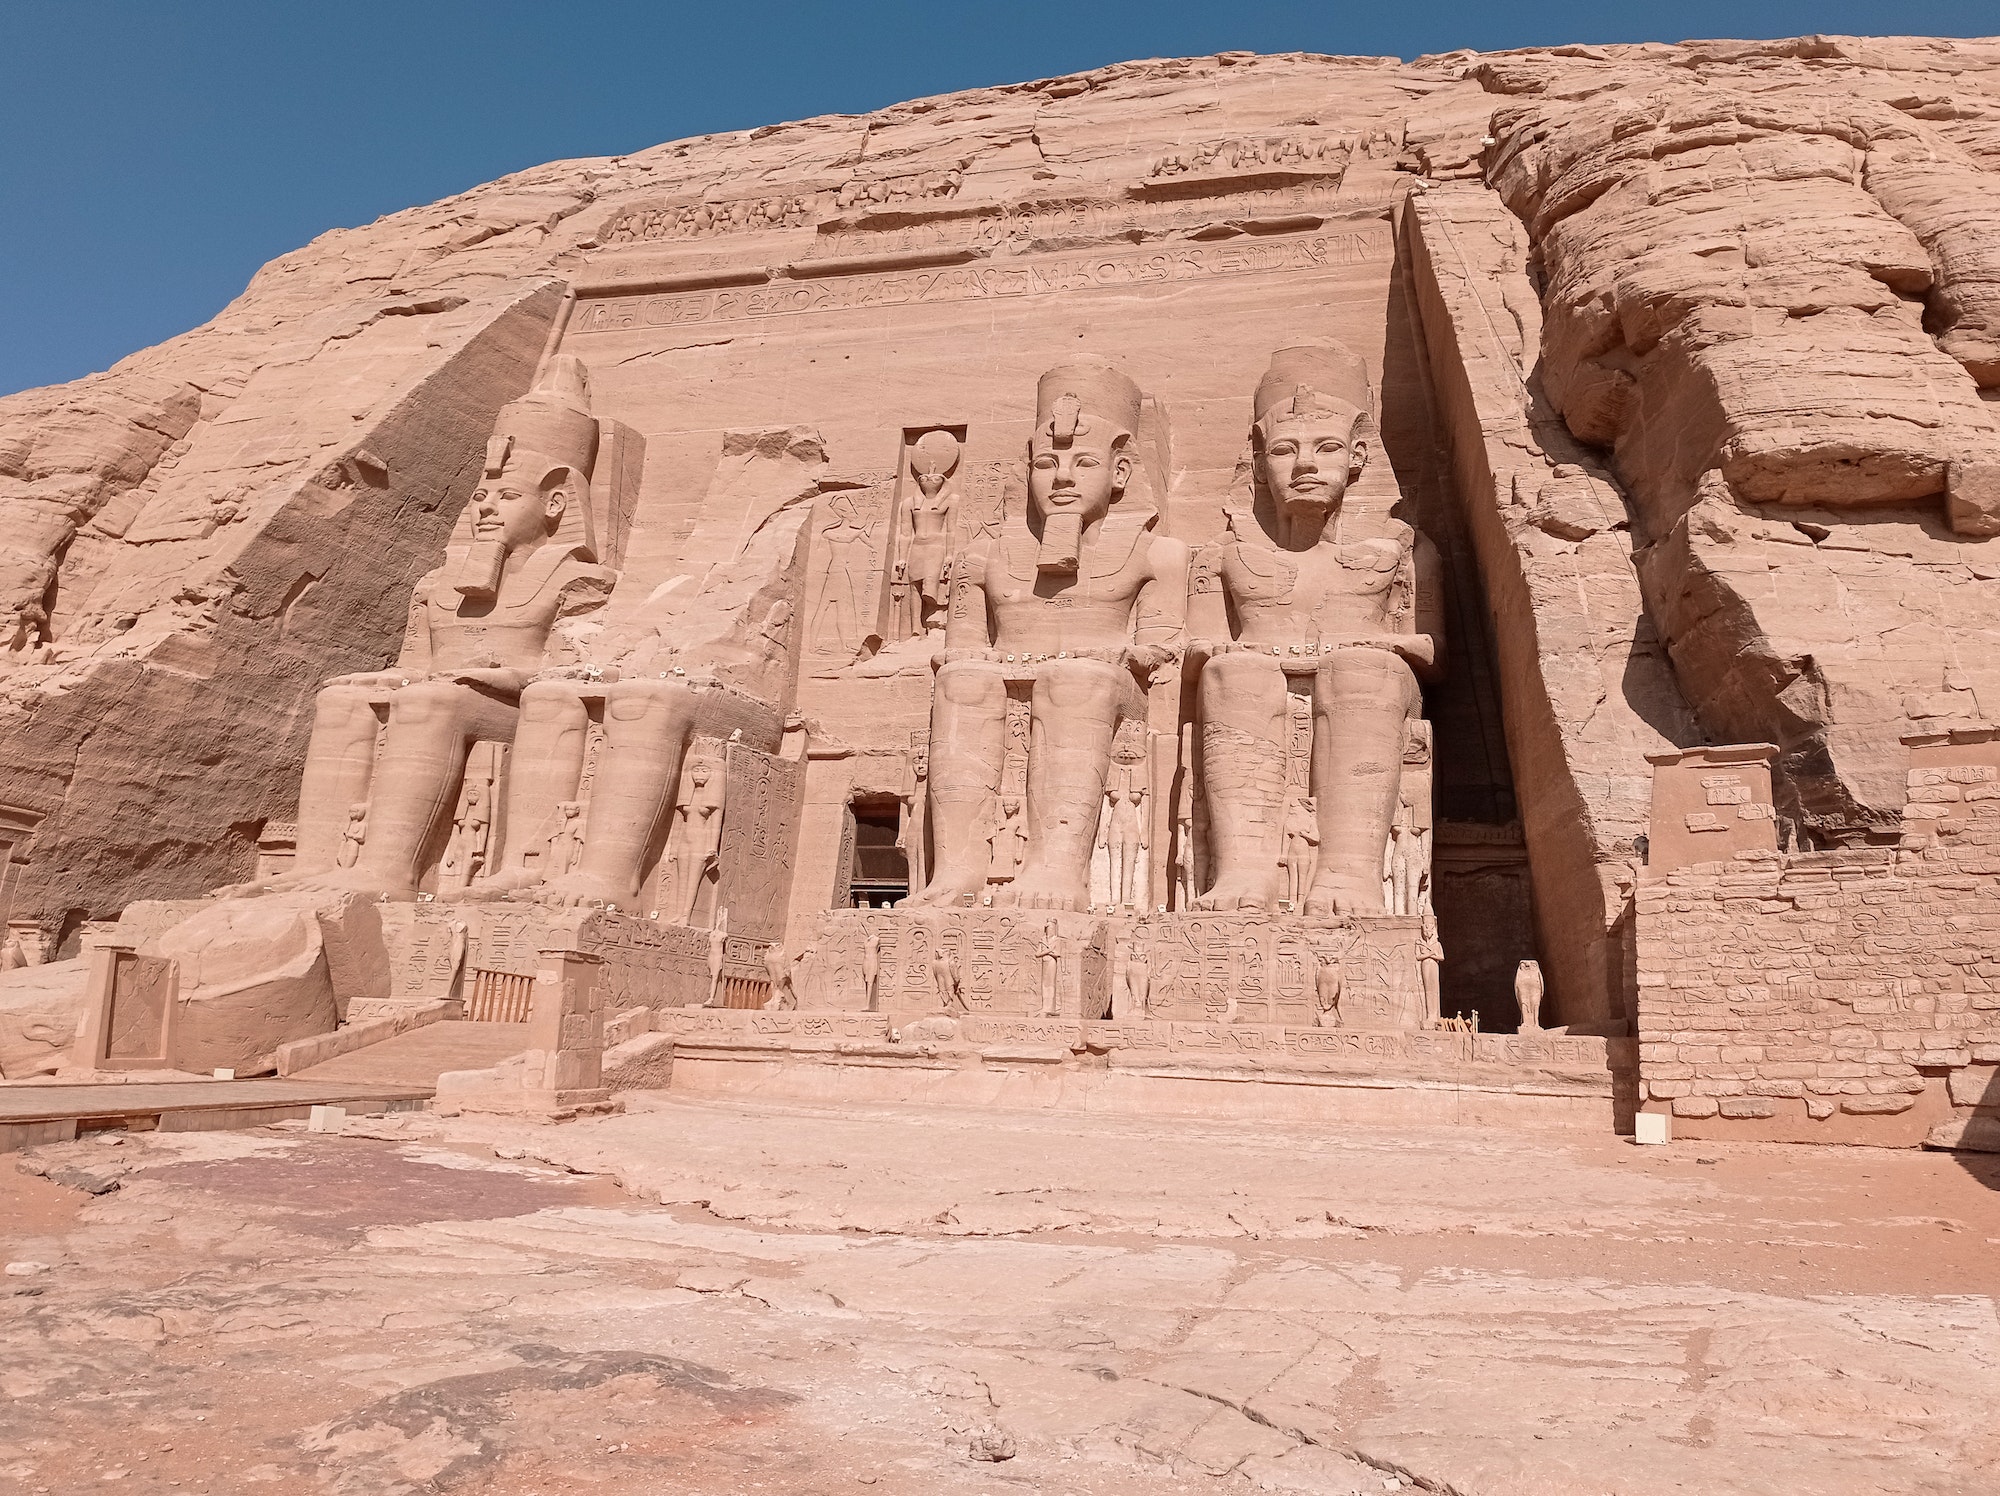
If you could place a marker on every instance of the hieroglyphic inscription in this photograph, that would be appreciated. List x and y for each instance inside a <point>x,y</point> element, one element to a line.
<point>1027,227</point>
<point>1250,969</point>
<point>499,937</point>
<point>993,951</point>
<point>759,832</point>
<point>1041,277</point>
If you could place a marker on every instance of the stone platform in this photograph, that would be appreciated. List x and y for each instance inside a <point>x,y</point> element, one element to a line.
<point>36,1113</point>
<point>1194,1069</point>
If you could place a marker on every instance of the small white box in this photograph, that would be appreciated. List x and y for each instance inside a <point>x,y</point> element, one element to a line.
<point>221,1074</point>
<point>326,1119</point>
<point>1647,1127</point>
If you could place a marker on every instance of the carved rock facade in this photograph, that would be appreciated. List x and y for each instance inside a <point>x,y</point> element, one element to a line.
<point>1286,546</point>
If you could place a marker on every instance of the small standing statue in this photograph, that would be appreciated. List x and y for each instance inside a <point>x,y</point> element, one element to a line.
<point>1528,994</point>
<point>945,980</point>
<point>353,834</point>
<point>700,837</point>
<point>1048,954</point>
<point>1124,837</point>
<point>465,854</point>
<point>871,964</point>
<point>926,542</point>
<point>1329,980</point>
<point>718,941</point>
<point>1301,843</point>
<point>565,836</point>
<point>1138,979</point>
<point>1430,956</point>
<point>778,968</point>
<point>1006,840</point>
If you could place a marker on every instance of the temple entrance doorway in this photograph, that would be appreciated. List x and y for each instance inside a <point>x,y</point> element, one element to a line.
<point>878,875</point>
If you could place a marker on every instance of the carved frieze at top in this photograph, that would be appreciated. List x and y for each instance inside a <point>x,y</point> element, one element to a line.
<point>704,218</point>
<point>1230,156</point>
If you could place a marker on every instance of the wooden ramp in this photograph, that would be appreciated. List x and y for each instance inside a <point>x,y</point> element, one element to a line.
<point>418,1056</point>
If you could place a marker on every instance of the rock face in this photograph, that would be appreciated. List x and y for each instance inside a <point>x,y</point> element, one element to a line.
<point>938,505</point>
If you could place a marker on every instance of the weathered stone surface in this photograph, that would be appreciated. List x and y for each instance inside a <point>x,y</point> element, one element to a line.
<point>1305,487</point>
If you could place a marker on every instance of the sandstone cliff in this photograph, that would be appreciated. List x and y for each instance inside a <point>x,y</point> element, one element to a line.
<point>1687,356</point>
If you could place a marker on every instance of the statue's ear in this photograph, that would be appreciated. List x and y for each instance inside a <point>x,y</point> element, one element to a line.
<point>1121,471</point>
<point>1357,457</point>
<point>555,490</point>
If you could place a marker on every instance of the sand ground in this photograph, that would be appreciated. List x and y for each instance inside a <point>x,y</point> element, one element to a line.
<point>762,1298</point>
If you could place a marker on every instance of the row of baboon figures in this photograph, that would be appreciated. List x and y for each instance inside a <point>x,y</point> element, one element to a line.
<point>1305,633</point>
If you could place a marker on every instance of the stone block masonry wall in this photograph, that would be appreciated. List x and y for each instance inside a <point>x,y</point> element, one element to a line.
<point>1839,996</point>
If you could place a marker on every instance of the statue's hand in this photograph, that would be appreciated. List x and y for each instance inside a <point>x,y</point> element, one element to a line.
<point>943,657</point>
<point>499,680</point>
<point>605,673</point>
<point>1149,657</point>
<point>385,680</point>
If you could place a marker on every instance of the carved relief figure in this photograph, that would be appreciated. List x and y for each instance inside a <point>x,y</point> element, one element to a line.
<point>848,549</point>
<point>478,629</point>
<point>1073,602</point>
<point>1293,594</point>
<point>927,529</point>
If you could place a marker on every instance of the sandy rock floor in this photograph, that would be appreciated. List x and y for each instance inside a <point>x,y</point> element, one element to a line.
<point>700,1297</point>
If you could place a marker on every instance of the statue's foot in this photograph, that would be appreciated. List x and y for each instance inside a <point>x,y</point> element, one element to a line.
<point>948,889</point>
<point>1331,896</point>
<point>332,880</point>
<point>577,889</point>
<point>495,886</point>
<point>1042,890</point>
<point>1236,891</point>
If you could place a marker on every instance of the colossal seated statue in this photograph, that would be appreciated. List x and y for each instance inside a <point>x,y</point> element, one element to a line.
<point>1297,602</point>
<point>479,628</point>
<point>1073,604</point>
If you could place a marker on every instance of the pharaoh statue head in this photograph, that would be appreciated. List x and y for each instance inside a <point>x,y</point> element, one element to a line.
<point>1310,437</point>
<point>536,483</point>
<point>1079,459</point>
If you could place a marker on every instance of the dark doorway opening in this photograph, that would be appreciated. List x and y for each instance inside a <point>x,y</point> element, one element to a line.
<point>880,874</point>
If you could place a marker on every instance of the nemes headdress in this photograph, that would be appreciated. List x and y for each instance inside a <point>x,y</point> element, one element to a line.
<point>1073,398</point>
<point>1313,380</point>
<point>554,421</point>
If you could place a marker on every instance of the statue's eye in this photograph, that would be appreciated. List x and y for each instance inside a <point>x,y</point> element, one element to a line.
<point>1284,449</point>
<point>1045,460</point>
<point>1333,448</point>
<point>1084,459</point>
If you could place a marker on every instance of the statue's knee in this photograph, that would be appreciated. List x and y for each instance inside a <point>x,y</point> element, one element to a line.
<point>1234,676</point>
<point>344,704</point>
<point>972,683</point>
<point>426,702</point>
<point>636,700</point>
<point>550,701</point>
<point>1081,685</point>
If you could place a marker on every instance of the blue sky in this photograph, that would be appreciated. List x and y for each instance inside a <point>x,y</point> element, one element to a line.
<point>153,155</point>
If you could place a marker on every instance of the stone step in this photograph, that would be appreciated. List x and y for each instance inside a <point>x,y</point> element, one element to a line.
<point>420,1055</point>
